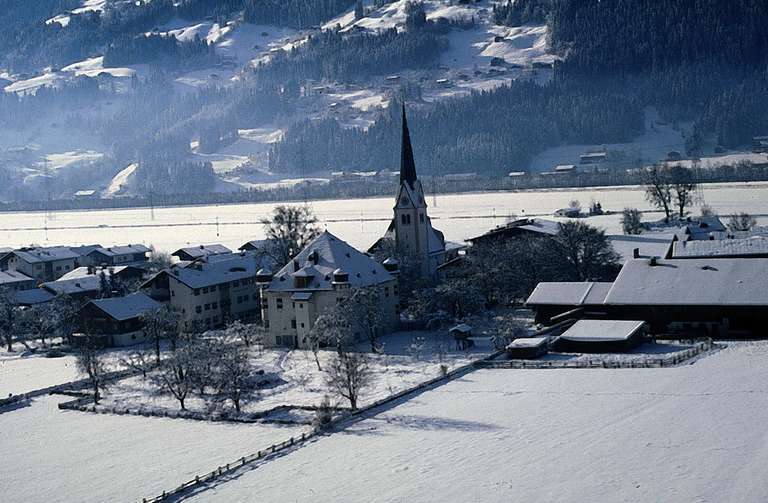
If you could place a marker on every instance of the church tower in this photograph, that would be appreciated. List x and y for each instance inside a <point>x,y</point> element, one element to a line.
<point>413,232</point>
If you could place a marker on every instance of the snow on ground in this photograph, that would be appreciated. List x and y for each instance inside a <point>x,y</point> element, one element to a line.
<point>93,67</point>
<point>121,180</point>
<point>297,381</point>
<point>31,85</point>
<point>691,433</point>
<point>91,6</point>
<point>64,159</point>
<point>62,456</point>
<point>19,375</point>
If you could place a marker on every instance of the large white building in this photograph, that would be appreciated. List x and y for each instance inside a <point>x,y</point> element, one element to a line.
<point>324,273</point>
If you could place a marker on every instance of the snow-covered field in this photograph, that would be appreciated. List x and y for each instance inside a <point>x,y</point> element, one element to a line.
<point>64,456</point>
<point>297,381</point>
<point>692,433</point>
<point>19,375</point>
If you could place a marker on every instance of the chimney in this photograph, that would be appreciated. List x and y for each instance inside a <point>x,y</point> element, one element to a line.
<point>652,262</point>
<point>636,253</point>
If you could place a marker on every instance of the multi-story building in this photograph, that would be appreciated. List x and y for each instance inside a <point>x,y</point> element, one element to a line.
<point>210,292</point>
<point>116,255</point>
<point>322,275</point>
<point>43,264</point>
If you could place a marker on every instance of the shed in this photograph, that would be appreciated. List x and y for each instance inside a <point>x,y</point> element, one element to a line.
<point>528,347</point>
<point>461,331</point>
<point>602,336</point>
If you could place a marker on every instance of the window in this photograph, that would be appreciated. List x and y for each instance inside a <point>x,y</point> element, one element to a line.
<point>279,303</point>
<point>265,303</point>
<point>293,323</point>
<point>302,325</point>
<point>207,307</point>
<point>198,309</point>
<point>301,306</point>
<point>421,217</point>
<point>235,283</point>
<point>205,290</point>
<point>197,291</point>
<point>386,291</point>
<point>58,268</point>
<point>279,340</point>
<point>215,305</point>
<point>66,268</point>
<point>173,293</point>
<point>213,288</point>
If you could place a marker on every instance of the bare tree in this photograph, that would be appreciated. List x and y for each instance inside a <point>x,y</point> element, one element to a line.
<point>348,375</point>
<point>158,260</point>
<point>741,222</point>
<point>586,250</point>
<point>684,186</point>
<point>289,230</point>
<point>90,363</point>
<point>331,328</point>
<point>658,189</point>
<point>248,334</point>
<point>138,361</point>
<point>631,221</point>
<point>363,310</point>
<point>509,330</point>
<point>160,324</point>
<point>175,374</point>
<point>235,377</point>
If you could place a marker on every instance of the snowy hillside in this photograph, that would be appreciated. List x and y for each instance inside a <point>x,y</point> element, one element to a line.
<point>239,47</point>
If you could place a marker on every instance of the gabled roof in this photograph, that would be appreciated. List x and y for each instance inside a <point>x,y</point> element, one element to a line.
<point>649,245</point>
<point>255,244</point>
<point>223,269</point>
<point>50,254</point>
<point>703,227</point>
<point>74,286</point>
<point>692,282</point>
<point>126,308</point>
<point>114,251</point>
<point>332,253</point>
<point>532,225</point>
<point>12,277</point>
<point>85,272</point>
<point>84,250</point>
<point>202,251</point>
<point>32,297</point>
<point>746,247</point>
<point>569,294</point>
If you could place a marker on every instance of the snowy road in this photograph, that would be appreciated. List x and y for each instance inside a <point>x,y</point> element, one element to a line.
<point>693,433</point>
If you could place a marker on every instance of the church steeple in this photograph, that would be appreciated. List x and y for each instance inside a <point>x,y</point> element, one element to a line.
<point>407,164</point>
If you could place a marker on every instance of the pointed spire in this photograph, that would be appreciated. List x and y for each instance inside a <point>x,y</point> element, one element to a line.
<point>407,164</point>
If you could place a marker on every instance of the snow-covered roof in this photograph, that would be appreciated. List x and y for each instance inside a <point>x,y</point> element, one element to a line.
<point>692,282</point>
<point>32,296</point>
<point>703,227</point>
<point>50,254</point>
<point>331,253</point>
<point>528,342</point>
<point>602,330</point>
<point>114,251</point>
<point>648,245</point>
<point>569,293</point>
<point>85,249</point>
<point>746,247</point>
<point>12,277</point>
<point>78,285</point>
<point>84,272</point>
<point>225,268</point>
<point>533,225</point>
<point>461,328</point>
<point>254,244</point>
<point>126,308</point>
<point>202,251</point>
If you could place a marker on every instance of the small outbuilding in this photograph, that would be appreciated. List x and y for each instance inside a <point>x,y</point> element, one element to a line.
<point>602,336</point>
<point>528,348</point>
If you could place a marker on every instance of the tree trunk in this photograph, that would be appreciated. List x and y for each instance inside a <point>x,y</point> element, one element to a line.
<point>157,349</point>
<point>317,360</point>
<point>181,402</point>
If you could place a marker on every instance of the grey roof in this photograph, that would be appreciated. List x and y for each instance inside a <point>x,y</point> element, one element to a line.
<point>32,296</point>
<point>301,296</point>
<point>528,342</point>
<point>201,274</point>
<point>86,272</point>
<point>50,254</point>
<point>203,250</point>
<point>128,307</point>
<point>84,250</point>
<point>692,282</point>
<point>74,286</point>
<point>114,251</point>
<point>533,225</point>
<point>569,294</point>
<point>703,227</point>
<point>648,244</point>
<point>332,253</point>
<point>255,243</point>
<point>602,330</point>
<point>11,277</point>
<point>746,247</point>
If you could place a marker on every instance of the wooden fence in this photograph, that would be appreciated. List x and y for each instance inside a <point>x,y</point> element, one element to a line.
<point>592,363</point>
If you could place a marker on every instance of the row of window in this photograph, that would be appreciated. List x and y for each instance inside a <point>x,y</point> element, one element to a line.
<point>405,218</point>
<point>234,284</point>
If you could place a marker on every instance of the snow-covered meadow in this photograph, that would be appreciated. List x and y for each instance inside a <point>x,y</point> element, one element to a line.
<point>690,433</point>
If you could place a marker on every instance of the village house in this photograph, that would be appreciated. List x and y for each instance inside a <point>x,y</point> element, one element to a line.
<point>14,281</point>
<point>533,227</point>
<point>86,282</point>
<point>117,255</point>
<point>411,233</point>
<point>210,292</point>
<point>195,252</point>
<point>115,321</point>
<point>43,264</point>
<point>323,274</point>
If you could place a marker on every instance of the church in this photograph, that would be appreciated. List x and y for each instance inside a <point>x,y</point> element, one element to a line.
<point>410,235</point>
